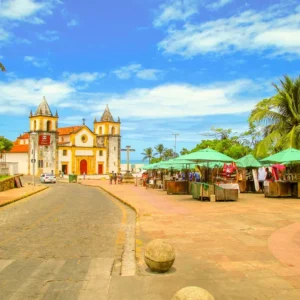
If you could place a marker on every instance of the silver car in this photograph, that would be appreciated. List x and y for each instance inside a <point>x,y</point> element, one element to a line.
<point>50,178</point>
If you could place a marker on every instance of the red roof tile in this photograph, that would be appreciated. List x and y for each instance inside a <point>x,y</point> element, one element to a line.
<point>24,136</point>
<point>68,130</point>
<point>19,148</point>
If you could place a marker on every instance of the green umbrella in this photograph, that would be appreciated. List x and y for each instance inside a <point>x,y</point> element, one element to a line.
<point>151,166</point>
<point>249,161</point>
<point>206,155</point>
<point>174,161</point>
<point>285,156</point>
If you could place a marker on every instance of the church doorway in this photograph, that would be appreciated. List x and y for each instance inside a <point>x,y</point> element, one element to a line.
<point>65,169</point>
<point>83,166</point>
<point>100,169</point>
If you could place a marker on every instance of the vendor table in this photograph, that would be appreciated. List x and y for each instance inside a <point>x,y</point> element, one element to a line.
<point>165,183</point>
<point>201,190</point>
<point>282,189</point>
<point>226,192</point>
<point>177,187</point>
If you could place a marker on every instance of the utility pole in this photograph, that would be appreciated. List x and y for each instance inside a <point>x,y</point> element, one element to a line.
<point>175,134</point>
<point>33,134</point>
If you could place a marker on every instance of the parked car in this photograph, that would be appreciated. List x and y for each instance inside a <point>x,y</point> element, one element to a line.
<point>48,178</point>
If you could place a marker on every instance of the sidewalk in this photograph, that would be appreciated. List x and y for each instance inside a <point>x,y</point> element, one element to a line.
<point>247,249</point>
<point>16,194</point>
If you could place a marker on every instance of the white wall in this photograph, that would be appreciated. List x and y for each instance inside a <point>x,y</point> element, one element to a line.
<point>113,154</point>
<point>63,159</point>
<point>21,159</point>
<point>84,152</point>
<point>90,139</point>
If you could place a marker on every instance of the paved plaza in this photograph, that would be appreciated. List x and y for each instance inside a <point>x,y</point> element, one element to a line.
<point>68,243</point>
<point>247,249</point>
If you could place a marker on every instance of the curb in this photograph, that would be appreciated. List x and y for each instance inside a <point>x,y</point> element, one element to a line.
<point>121,200</point>
<point>22,197</point>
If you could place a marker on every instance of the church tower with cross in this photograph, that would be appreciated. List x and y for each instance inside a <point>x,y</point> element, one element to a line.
<point>108,133</point>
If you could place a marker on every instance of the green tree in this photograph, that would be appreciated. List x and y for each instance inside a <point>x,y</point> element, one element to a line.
<point>2,68</point>
<point>168,154</point>
<point>159,149</point>
<point>279,118</point>
<point>5,144</point>
<point>184,151</point>
<point>225,142</point>
<point>148,154</point>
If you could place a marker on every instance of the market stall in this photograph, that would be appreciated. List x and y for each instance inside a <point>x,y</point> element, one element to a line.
<point>285,182</point>
<point>207,156</point>
<point>250,173</point>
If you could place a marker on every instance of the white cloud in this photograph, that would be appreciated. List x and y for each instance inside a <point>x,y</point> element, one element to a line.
<point>275,30</point>
<point>163,102</point>
<point>37,62</point>
<point>128,71</point>
<point>137,70</point>
<point>183,100</point>
<point>218,4</point>
<point>175,10</point>
<point>49,36</point>
<point>17,96</point>
<point>72,23</point>
<point>20,9</point>
<point>4,35</point>
<point>83,77</point>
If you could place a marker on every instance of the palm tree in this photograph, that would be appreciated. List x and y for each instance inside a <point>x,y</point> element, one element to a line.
<point>148,154</point>
<point>160,149</point>
<point>279,117</point>
<point>168,153</point>
<point>2,68</point>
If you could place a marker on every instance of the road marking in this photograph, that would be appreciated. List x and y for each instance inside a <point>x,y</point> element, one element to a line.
<point>4,263</point>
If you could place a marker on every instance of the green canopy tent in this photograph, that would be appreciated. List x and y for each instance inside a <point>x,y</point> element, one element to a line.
<point>151,166</point>
<point>286,156</point>
<point>248,161</point>
<point>207,155</point>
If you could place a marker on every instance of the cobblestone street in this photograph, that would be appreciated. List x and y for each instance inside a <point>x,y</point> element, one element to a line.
<point>60,244</point>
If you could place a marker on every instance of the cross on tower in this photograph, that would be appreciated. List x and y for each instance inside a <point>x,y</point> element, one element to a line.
<point>128,150</point>
<point>83,121</point>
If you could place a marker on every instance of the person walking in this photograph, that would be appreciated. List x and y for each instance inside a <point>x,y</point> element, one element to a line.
<point>111,175</point>
<point>115,178</point>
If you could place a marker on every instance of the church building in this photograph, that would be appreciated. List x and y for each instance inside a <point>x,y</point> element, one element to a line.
<point>71,150</point>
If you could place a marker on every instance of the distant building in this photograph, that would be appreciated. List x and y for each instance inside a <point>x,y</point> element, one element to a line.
<point>75,149</point>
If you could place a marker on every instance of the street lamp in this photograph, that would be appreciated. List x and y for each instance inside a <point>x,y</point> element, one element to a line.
<point>33,158</point>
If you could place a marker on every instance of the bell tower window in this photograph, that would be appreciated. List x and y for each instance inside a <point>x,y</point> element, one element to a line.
<point>113,130</point>
<point>49,126</point>
<point>34,125</point>
<point>100,130</point>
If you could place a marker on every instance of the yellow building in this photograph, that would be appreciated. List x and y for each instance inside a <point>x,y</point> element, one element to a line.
<point>76,149</point>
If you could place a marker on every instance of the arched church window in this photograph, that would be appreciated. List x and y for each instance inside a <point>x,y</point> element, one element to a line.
<point>100,130</point>
<point>49,126</point>
<point>113,130</point>
<point>34,125</point>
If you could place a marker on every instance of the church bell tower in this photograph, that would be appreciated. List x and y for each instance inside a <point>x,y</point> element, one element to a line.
<point>108,133</point>
<point>43,139</point>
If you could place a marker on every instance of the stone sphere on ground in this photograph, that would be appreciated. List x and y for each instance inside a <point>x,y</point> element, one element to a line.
<point>159,256</point>
<point>192,293</point>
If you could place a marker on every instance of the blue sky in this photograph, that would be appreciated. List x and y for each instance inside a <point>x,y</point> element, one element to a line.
<point>163,67</point>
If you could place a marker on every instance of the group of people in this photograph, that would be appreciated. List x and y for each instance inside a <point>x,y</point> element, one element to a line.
<point>114,177</point>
